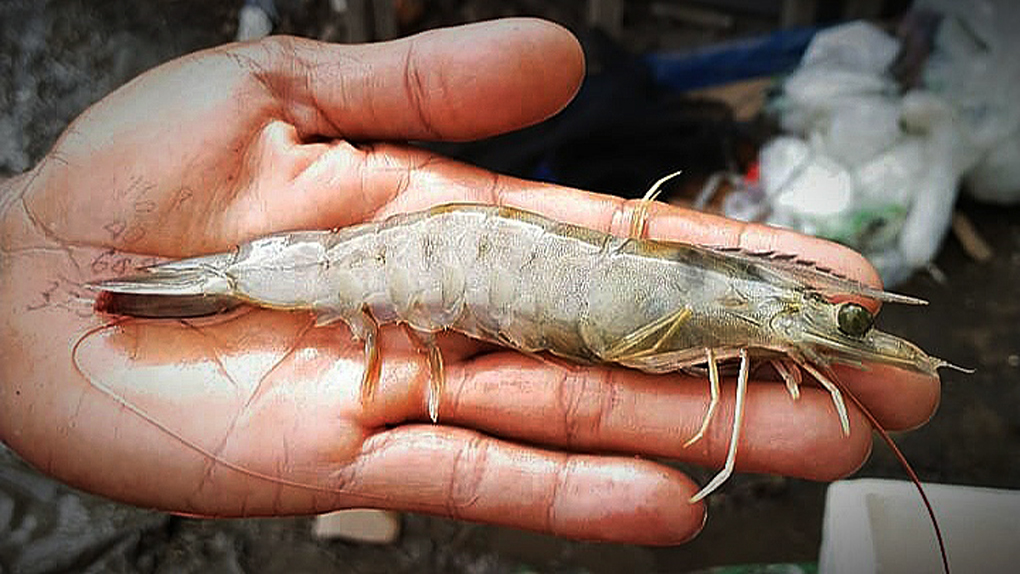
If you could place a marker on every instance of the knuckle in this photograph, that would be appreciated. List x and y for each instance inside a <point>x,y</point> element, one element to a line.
<point>417,90</point>
<point>467,474</point>
<point>586,402</point>
<point>558,490</point>
<point>345,478</point>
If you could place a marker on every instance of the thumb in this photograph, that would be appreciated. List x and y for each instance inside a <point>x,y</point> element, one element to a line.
<point>456,83</point>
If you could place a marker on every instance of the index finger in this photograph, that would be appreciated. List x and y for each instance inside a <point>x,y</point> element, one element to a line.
<point>671,223</point>
<point>425,181</point>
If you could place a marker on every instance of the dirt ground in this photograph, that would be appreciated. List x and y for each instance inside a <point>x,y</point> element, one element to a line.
<point>58,57</point>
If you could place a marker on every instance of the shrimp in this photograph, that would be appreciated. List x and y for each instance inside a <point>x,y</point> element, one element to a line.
<point>520,280</point>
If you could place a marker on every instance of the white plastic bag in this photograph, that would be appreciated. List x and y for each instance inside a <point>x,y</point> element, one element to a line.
<point>863,165</point>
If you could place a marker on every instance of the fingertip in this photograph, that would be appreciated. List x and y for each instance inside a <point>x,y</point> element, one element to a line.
<point>519,71</point>
<point>899,399</point>
<point>566,52</point>
<point>553,40</point>
<point>849,455</point>
<point>628,500</point>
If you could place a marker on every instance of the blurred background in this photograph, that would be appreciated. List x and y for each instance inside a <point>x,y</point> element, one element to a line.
<point>891,126</point>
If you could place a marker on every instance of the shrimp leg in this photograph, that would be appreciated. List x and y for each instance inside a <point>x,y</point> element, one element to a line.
<point>426,342</point>
<point>738,419</point>
<point>713,379</point>
<point>636,345</point>
<point>437,378</point>
<point>365,328</point>
<point>791,376</point>
<point>837,397</point>
<point>373,364</point>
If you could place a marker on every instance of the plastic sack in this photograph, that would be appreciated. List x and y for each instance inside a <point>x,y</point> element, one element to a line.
<point>974,68</point>
<point>862,164</point>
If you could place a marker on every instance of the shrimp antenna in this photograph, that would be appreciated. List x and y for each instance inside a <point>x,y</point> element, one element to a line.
<point>910,472</point>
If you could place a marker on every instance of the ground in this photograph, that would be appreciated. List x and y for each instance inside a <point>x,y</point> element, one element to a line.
<point>58,57</point>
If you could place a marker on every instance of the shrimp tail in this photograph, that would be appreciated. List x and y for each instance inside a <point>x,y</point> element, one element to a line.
<point>194,287</point>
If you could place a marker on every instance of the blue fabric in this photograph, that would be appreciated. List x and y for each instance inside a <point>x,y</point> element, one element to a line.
<point>768,55</point>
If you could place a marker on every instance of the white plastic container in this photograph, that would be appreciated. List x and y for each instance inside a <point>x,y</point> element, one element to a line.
<point>875,526</point>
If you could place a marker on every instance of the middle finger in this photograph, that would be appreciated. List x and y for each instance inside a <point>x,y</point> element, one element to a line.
<point>618,410</point>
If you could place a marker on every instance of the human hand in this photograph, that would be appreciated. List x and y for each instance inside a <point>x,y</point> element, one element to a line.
<point>258,413</point>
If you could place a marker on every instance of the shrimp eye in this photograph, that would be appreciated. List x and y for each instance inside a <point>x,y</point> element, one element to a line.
<point>854,320</point>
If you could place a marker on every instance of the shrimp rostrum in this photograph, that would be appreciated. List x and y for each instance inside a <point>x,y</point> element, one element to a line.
<point>520,280</point>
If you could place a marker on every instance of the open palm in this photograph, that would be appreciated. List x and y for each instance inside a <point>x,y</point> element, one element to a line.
<point>258,412</point>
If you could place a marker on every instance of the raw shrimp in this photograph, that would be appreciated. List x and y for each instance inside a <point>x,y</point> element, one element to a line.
<point>521,280</point>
